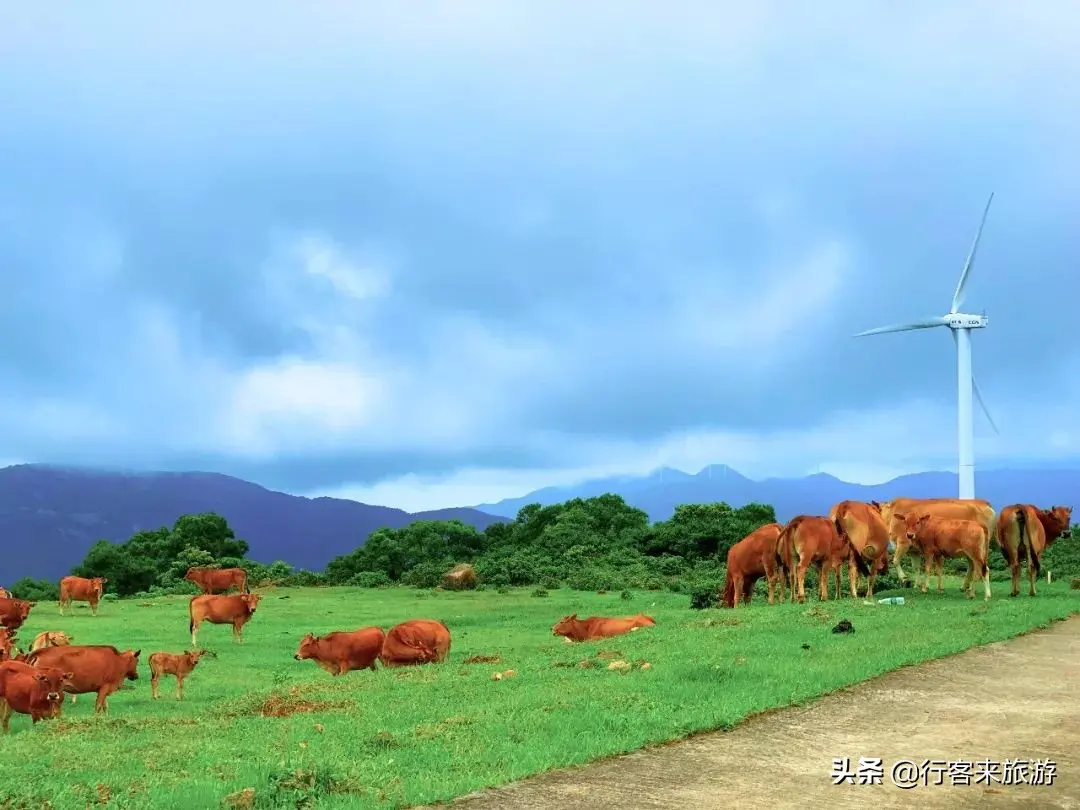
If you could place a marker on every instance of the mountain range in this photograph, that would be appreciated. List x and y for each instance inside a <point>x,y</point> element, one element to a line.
<point>50,516</point>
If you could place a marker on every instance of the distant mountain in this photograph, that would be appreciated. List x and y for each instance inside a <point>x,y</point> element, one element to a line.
<point>659,492</point>
<point>50,516</point>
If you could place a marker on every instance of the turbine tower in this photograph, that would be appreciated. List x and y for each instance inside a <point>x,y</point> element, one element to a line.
<point>961,326</point>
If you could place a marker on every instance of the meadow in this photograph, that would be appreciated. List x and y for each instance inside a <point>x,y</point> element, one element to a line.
<point>258,729</point>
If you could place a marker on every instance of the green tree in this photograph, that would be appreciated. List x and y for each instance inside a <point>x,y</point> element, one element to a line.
<point>127,573</point>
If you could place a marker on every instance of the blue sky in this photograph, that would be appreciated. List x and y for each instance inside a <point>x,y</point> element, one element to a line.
<point>444,257</point>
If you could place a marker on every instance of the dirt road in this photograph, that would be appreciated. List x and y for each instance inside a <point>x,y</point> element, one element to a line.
<point>1016,700</point>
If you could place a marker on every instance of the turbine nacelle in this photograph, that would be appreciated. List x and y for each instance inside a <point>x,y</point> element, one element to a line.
<point>959,320</point>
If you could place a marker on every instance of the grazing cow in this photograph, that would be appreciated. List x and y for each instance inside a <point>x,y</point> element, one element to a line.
<point>864,529</point>
<point>50,638</point>
<point>1025,531</point>
<point>80,589</point>
<point>36,691</point>
<point>13,613</point>
<point>236,610</point>
<point>955,508</point>
<point>814,540</point>
<point>747,561</point>
<point>596,627</point>
<point>418,641</point>
<point>96,668</point>
<point>940,537</point>
<point>342,651</point>
<point>218,580</point>
<point>179,666</point>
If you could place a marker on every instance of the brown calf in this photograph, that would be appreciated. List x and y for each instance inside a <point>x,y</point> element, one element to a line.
<point>1024,531</point>
<point>80,589</point>
<point>179,666</point>
<point>747,561</point>
<point>218,580</point>
<point>813,540</point>
<point>36,691</point>
<point>418,641</point>
<point>96,668</point>
<point>236,610</point>
<point>596,627</point>
<point>342,651</point>
<point>50,638</point>
<point>940,537</point>
<point>975,509</point>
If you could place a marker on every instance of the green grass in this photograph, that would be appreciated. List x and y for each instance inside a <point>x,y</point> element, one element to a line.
<point>395,738</point>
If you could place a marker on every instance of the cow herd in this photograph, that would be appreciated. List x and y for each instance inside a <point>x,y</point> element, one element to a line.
<point>35,682</point>
<point>861,535</point>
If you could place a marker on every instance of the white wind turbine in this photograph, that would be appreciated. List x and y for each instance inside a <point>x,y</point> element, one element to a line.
<point>961,326</point>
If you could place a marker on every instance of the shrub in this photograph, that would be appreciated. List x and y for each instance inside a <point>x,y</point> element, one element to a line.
<point>704,597</point>
<point>369,579</point>
<point>626,595</point>
<point>35,590</point>
<point>424,575</point>
<point>539,592</point>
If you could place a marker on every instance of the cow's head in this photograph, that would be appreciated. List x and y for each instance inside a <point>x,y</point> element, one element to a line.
<point>56,638</point>
<point>53,682</point>
<point>564,625</point>
<point>251,600</point>
<point>911,524</point>
<point>193,656</point>
<point>307,647</point>
<point>131,664</point>
<point>97,585</point>
<point>1062,519</point>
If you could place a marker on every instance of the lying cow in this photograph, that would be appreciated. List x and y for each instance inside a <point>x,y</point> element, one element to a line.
<point>950,537</point>
<point>96,668</point>
<point>342,651</point>
<point>5,593</point>
<point>236,610</point>
<point>179,666</point>
<point>1024,532</point>
<point>748,560</point>
<point>596,627</point>
<point>50,638</point>
<point>13,613</point>
<point>218,580</point>
<point>81,589</point>
<point>418,641</point>
<point>36,691</point>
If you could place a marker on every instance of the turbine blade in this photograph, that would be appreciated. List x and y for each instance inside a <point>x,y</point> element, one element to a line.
<point>925,323</point>
<point>978,396</point>
<point>958,297</point>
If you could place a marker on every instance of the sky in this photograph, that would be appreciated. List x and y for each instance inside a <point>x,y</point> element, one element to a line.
<point>444,253</point>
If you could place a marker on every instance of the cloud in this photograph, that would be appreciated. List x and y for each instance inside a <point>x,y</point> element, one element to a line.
<point>504,245</point>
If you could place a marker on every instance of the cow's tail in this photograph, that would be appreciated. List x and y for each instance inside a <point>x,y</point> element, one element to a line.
<point>728,599</point>
<point>1024,533</point>
<point>838,522</point>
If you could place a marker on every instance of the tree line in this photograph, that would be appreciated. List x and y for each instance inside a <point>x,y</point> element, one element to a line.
<point>599,543</point>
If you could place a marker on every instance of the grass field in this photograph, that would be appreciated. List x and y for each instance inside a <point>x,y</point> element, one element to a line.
<point>254,718</point>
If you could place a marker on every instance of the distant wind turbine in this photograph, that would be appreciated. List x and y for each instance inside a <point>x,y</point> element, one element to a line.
<point>961,326</point>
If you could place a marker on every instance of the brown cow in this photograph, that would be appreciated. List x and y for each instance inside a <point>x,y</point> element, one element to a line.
<point>97,668</point>
<point>80,589</point>
<point>179,666</point>
<point>13,613</point>
<point>7,643</point>
<point>814,540</point>
<point>50,638</point>
<point>1025,531</point>
<point>418,641</point>
<point>862,526</point>
<point>940,537</point>
<point>236,609</point>
<point>747,561</point>
<point>342,651</point>
<point>218,580</point>
<point>975,509</point>
<point>5,593</point>
<point>36,691</point>
<point>596,627</point>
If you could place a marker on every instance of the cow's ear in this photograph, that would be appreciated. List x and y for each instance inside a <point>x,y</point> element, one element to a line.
<point>899,516</point>
<point>137,653</point>
<point>69,675</point>
<point>42,678</point>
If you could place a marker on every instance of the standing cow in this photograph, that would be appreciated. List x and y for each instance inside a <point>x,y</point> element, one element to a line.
<point>36,691</point>
<point>1024,532</point>
<point>236,609</point>
<point>80,589</point>
<point>218,580</point>
<point>863,527</point>
<point>975,509</point>
<point>747,561</point>
<point>940,537</point>
<point>814,540</point>
<point>97,668</point>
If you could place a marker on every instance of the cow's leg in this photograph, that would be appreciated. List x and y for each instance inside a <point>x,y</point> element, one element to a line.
<point>737,586</point>
<point>940,574</point>
<point>824,572</point>
<point>194,633</point>
<point>179,687</point>
<point>839,579</point>
<point>1031,558</point>
<point>853,578</point>
<point>155,678</point>
<point>238,632</point>
<point>93,608</point>
<point>799,576</point>
<point>928,567</point>
<point>101,704</point>
<point>5,715</point>
<point>898,553</point>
